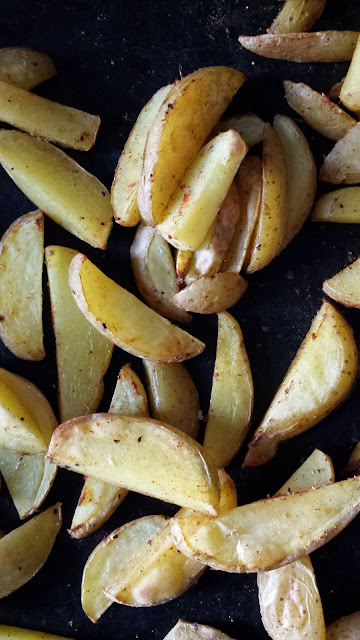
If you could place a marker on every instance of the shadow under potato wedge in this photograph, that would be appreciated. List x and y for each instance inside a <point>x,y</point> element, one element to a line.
<point>25,68</point>
<point>212,294</point>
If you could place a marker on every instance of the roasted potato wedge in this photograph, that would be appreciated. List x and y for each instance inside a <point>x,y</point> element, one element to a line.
<point>342,205</point>
<point>353,465</point>
<point>15,633</point>
<point>129,397</point>
<point>346,628</point>
<point>341,165</point>
<point>124,319</point>
<point>193,631</point>
<point>316,471</point>
<point>249,126</point>
<point>350,90</point>
<point>297,16</point>
<point>334,93</point>
<point>320,46</point>
<point>56,184</point>
<point>182,264</point>
<point>21,264</point>
<point>180,128</point>
<point>211,294</point>
<point>344,287</point>
<point>25,68</point>
<point>319,379</point>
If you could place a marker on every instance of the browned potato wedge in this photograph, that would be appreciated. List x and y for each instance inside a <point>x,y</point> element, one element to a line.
<point>212,294</point>
<point>318,111</point>
<point>25,68</point>
<point>350,90</point>
<point>342,205</point>
<point>334,93</point>
<point>344,287</point>
<point>56,184</point>
<point>297,16</point>
<point>180,128</point>
<point>320,46</point>
<point>232,394</point>
<point>353,465</point>
<point>124,319</point>
<point>182,264</point>
<point>320,377</point>
<point>346,628</point>
<point>249,126</point>
<point>341,165</point>
<point>173,396</point>
<point>193,631</point>
<point>24,551</point>
<point>154,271</point>
<point>15,633</point>
<point>21,263</point>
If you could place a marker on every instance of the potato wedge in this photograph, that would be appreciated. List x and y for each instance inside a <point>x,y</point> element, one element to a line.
<point>15,633</point>
<point>341,165</point>
<point>319,379</point>
<point>154,272</point>
<point>344,287</point>
<point>249,126</point>
<point>346,628</point>
<point>270,533</point>
<point>194,204</point>
<point>56,184</point>
<point>124,319</point>
<point>318,111</point>
<point>350,90</point>
<point>212,294</point>
<point>24,551</point>
<point>353,465</point>
<point>342,205</point>
<point>173,396</point>
<point>297,16</point>
<point>128,171</point>
<point>193,631</point>
<point>182,264</point>
<point>25,68</point>
<point>180,128</point>
<point>320,46</point>
<point>316,471</point>
<point>21,263</point>
<point>129,397</point>
<point>137,453</point>
<point>335,90</point>
<point>232,394</point>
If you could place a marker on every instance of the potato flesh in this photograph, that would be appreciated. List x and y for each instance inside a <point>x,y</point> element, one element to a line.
<point>320,46</point>
<point>182,264</point>
<point>342,164</point>
<point>212,294</point>
<point>297,16</point>
<point>193,631</point>
<point>346,628</point>
<point>56,184</point>
<point>25,68</point>
<point>129,397</point>
<point>18,430</point>
<point>15,633</point>
<point>344,287</point>
<point>342,205</point>
<point>316,471</point>
<point>350,90</point>
<point>249,126</point>
<point>21,261</point>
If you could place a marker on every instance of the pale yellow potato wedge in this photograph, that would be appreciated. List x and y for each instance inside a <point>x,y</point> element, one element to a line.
<point>27,547</point>
<point>154,272</point>
<point>232,394</point>
<point>342,164</point>
<point>353,465</point>
<point>56,184</point>
<point>21,264</point>
<point>180,128</point>
<point>344,287</point>
<point>15,633</point>
<point>342,205</point>
<point>301,175</point>
<point>212,294</point>
<point>194,204</point>
<point>249,126</point>
<point>316,471</point>
<point>173,396</point>
<point>346,628</point>
<point>297,16</point>
<point>270,533</point>
<point>138,453</point>
<point>124,319</point>
<point>46,119</point>
<point>128,171</point>
<point>320,377</point>
<point>184,630</point>
<point>320,46</point>
<point>182,264</point>
<point>272,220</point>
<point>25,68</point>
<point>129,397</point>
<point>350,90</point>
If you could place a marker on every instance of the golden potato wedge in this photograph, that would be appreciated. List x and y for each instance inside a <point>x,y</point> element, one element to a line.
<point>129,397</point>
<point>193,631</point>
<point>180,128</point>
<point>344,287</point>
<point>182,264</point>
<point>138,453</point>
<point>124,319</point>
<point>24,551</point>
<point>15,633</point>
<point>173,396</point>
<point>56,184</point>
<point>319,379</point>
<point>353,465</point>
<point>25,68</point>
<point>318,111</point>
<point>346,628</point>
<point>341,165</point>
<point>154,272</point>
<point>316,471</point>
<point>297,16</point>
<point>232,394</point>
<point>342,205</point>
<point>194,204</point>
<point>350,90</point>
<point>212,294</point>
<point>249,126</point>
<point>270,533</point>
<point>128,171</point>
<point>320,46</point>
<point>301,175</point>
<point>21,263</point>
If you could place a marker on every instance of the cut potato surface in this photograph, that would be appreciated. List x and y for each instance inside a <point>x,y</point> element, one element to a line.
<point>316,471</point>
<point>346,628</point>
<point>249,126</point>
<point>193,631</point>
<point>182,263</point>
<point>212,294</point>
<point>320,46</point>
<point>18,429</point>
<point>25,68</point>
<point>129,397</point>
<point>124,319</point>
<point>297,16</point>
<point>342,165</point>
<point>350,90</point>
<point>344,287</point>
<point>342,205</point>
<point>15,633</point>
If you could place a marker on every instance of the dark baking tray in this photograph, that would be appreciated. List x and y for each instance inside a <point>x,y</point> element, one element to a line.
<point>111,57</point>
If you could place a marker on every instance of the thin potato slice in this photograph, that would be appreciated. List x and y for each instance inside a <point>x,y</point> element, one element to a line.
<point>319,379</point>
<point>15,633</point>
<point>182,264</point>
<point>194,204</point>
<point>193,631</point>
<point>56,184</point>
<point>344,287</point>
<point>24,551</point>
<point>249,126</point>
<point>297,16</point>
<point>212,294</point>
<point>180,128</point>
<point>353,465</point>
<point>232,394</point>
<point>342,164</point>
<point>320,46</point>
<point>138,453</point>
<point>25,68</point>
<point>350,90</point>
<point>124,319</point>
<point>128,171</point>
<point>154,271</point>
<point>21,263</point>
<point>346,628</point>
<point>342,205</point>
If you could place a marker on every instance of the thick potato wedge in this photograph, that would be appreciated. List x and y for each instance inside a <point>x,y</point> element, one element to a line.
<point>350,90</point>
<point>270,533</point>
<point>353,465</point>
<point>182,264</point>
<point>154,271</point>
<point>124,319</point>
<point>232,394</point>
<point>211,294</point>
<point>25,68</point>
<point>173,396</point>
<point>346,628</point>
<point>128,171</point>
<point>316,471</point>
<point>24,551</point>
<point>15,633</point>
<point>249,126</point>
<point>301,175</point>
<point>46,119</point>
<point>344,287</point>
<point>342,166</point>
<point>342,205</point>
<point>56,184</point>
<point>21,264</point>
<point>180,128</point>
<point>196,201</point>
<point>318,111</point>
<point>297,16</point>
<point>193,631</point>
<point>138,453</point>
<point>320,46</point>
<point>319,379</point>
